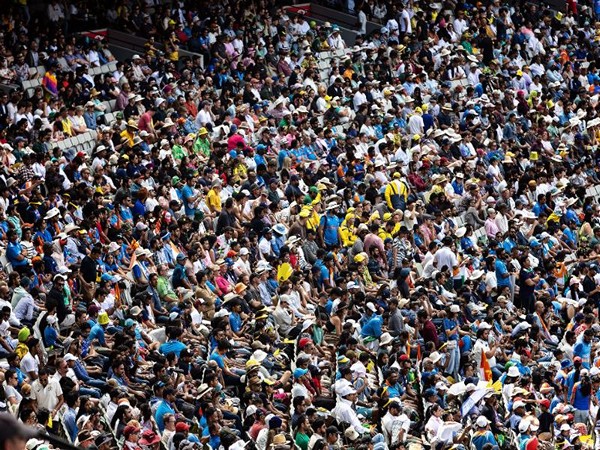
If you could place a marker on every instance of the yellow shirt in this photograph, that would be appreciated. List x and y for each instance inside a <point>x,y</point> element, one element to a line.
<point>67,127</point>
<point>348,237</point>
<point>213,200</point>
<point>312,223</point>
<point>127,136</point>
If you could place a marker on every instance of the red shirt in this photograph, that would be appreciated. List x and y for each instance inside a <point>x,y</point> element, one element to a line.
<point>145,122</point>
<point>430,334</point>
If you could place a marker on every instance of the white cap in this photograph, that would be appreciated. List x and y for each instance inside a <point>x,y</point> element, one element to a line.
<point>371,306</point>
<point>518,404</point>
<point>244,251</point>
<point>485,326</point>
<point>69,357</point>
<point>454,309</point>
<point>482,422</point>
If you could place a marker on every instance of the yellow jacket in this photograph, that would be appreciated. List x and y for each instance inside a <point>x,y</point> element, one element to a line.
<point>395,187</point>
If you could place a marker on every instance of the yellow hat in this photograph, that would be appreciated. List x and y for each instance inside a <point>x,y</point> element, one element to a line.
<point>417,137</point>
<point>359,258</point>
<point>387,217</point>
<point>533,156</point>
<point>418,110</point>
<point>103,318</point>
<point>252,363</point>
<point>519,73</point>
<point>203,131</point>
<point>351,209</point>
<point>374,216</point>
<point>304,213</point>
<point>396,175</point>
<point>424,107</point>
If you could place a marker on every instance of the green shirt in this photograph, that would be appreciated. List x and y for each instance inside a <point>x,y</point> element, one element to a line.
<point>178,152</point>
<point>164,289</point>
<point>202,145</point>
<point>302,440</point>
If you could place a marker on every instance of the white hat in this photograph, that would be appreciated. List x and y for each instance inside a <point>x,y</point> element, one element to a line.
<point>454,308</point>
<point>52,213</point>
<point>351,433</point>
<point>71,227</point>
<point>346,390</point>
<point>513,371</point>
<point>523,426</point>
<point>482,422</point>
<point>518,403</point>
<point>244,251</point>
<point>371,306</point>
<point>435,357</point>
<point>259,355</point>
<point>565,427</point>
<point>69,357</point>
<point>476,274</point>
<point>441,386</point>
<point>385,339</point>
<point>460,232</point>
<point>352,285</point>
<point>485,326</point>
<point>51,320</point>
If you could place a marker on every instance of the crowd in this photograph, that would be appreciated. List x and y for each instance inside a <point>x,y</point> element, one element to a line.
<point>398,251</point>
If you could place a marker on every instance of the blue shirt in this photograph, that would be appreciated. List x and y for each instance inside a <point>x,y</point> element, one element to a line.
<point>373,327</point>
<point>179,276</point>
<point>164,407</point>
<point>215,356</point>
<point>480,439</point>
<point>69,419</point>
<point>50,336</point>
<point>235,322</point>
<point>330,224</point>
<point>13,250</point>
<point>581,402</point>
<point>172,347</point>
<point>97,332</point>
<point>187,193</point>
<point>500,271</point>
<point>583,350</point>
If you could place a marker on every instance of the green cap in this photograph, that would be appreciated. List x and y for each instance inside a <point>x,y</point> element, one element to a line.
<point>314,190</point>
<point>175,180</point>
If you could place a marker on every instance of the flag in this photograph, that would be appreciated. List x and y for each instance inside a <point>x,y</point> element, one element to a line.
<point>485,367</point>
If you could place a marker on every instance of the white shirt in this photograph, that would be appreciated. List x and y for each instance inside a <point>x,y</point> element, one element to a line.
<point>30,363</point>
<point>445,257</point>
<point>47,397</point>
<point>481,345</point>
<point>343,412</point>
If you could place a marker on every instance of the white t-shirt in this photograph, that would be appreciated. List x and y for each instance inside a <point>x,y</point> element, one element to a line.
<point>29,363</point>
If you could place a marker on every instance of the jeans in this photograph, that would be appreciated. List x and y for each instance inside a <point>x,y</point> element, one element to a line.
<point>98,384</point>
<point>454,360</point>
<point>92,392</point>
